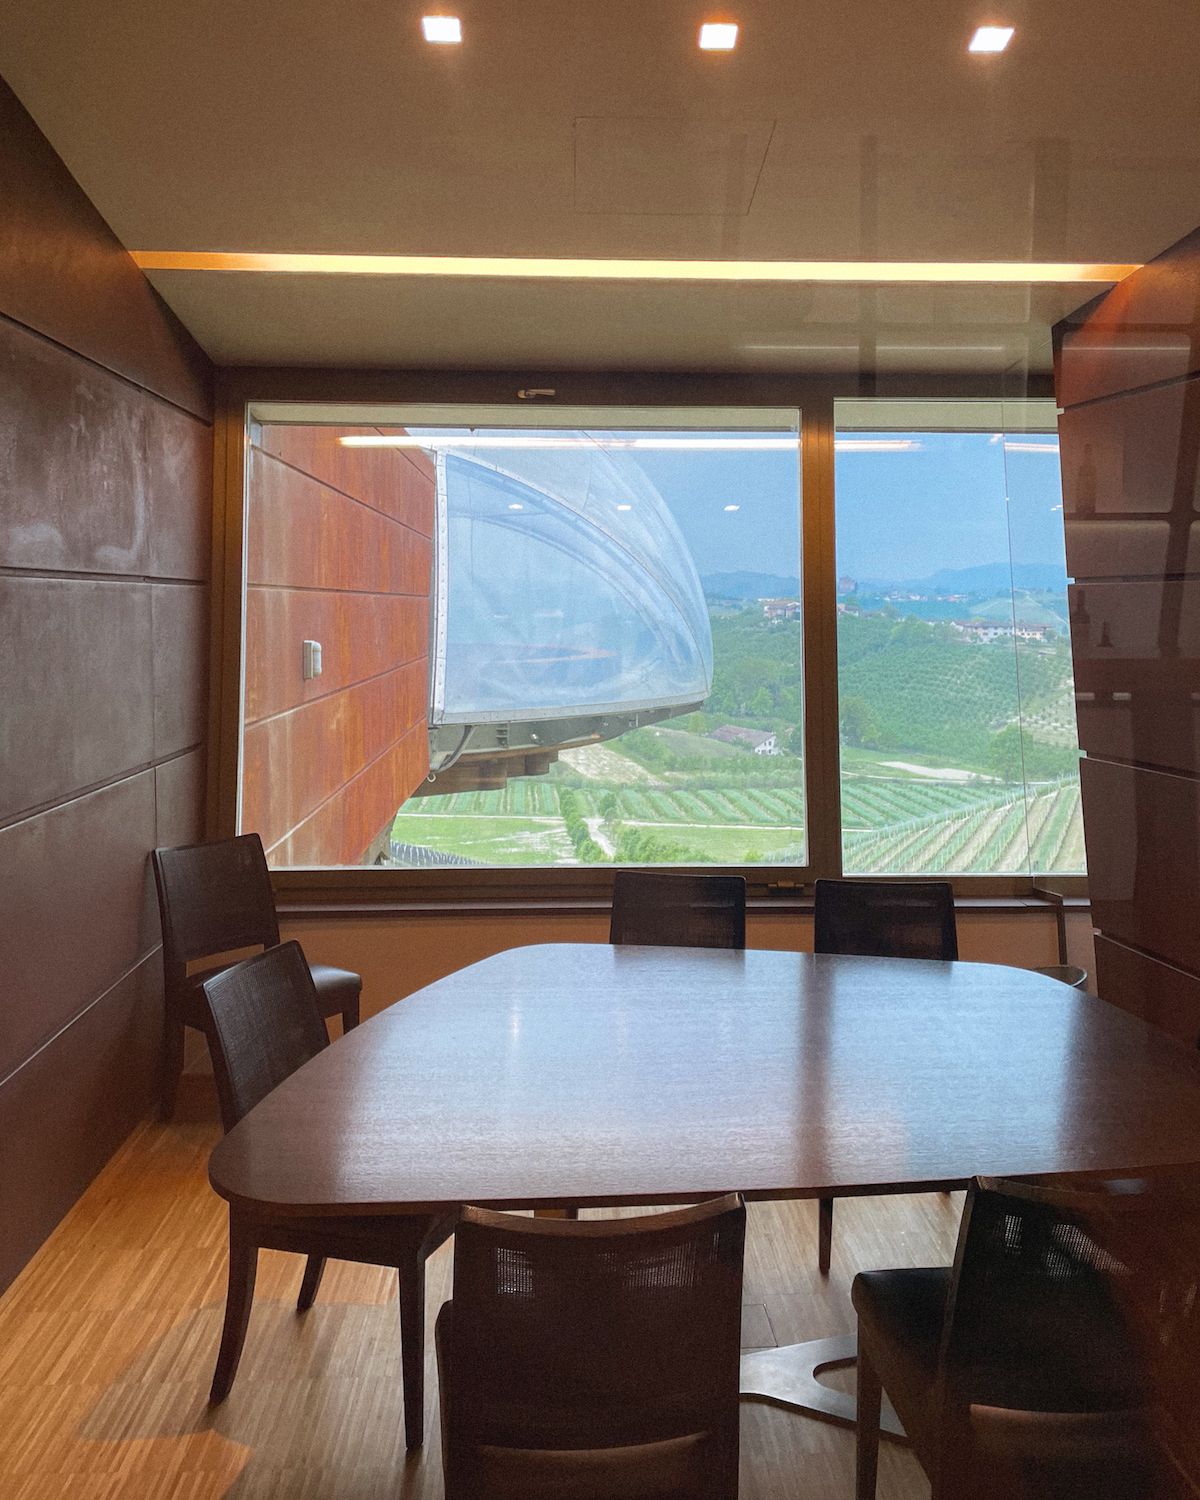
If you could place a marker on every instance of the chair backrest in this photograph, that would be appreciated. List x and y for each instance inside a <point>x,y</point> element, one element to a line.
<point>598,1334</point>
<point>678,911</point>
<point>885,918</point>
<point>214,898</point>
<point>264,1022</point>
<point>1073,1303</point>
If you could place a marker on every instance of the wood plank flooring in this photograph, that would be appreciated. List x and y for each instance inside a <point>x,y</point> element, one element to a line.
<point>107,1342</point>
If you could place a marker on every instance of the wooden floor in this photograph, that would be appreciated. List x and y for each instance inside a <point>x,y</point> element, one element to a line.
<point>107,1342</point>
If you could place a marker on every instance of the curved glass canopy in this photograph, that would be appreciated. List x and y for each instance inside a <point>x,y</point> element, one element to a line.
<point>564,587</point>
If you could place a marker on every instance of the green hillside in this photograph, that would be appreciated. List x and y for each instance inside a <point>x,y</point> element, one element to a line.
<point>925,688</point>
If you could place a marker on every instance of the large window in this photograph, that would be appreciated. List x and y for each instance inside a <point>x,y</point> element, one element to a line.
<point>536,636</point>
<point>473,638</point>
<point>956,699</point>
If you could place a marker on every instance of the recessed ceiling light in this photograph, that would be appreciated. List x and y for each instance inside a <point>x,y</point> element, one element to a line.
<point>516,506</point>
<point>990,39</point>
<point>718,36</point>
<point>443,29</point>
<point>733,507</point>
<point>624,507</point>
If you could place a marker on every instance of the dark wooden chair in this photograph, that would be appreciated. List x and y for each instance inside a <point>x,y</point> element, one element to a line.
<point>879,919</point>
<point>264,1022</point>
<point>216,898</point>
<point>678,911</point>
<point>1028,1370</point>
<point>594,1359</point>
<point>885,918</point>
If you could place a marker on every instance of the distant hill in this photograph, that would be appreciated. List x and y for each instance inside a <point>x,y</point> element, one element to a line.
<point>1029,609</point>
<point>984,578</point>
<point>750,586</point>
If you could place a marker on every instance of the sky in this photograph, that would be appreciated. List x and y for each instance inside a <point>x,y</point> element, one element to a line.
<point>941,504</point>
<point>901,514</point>
<point>761,536</point>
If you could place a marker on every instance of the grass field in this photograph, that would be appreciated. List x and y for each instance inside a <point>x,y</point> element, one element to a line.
<point>894,821</point>
<point>483,836</point>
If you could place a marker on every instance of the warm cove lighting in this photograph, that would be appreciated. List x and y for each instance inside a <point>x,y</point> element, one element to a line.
<point>870,272</point>
<point>718,36</point>
<point>990,39</point>
<point>444,30</point>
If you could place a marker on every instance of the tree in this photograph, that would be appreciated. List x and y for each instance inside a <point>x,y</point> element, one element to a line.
<point>1005,753</point>
<point>858,723</point>
<point>761,704</point>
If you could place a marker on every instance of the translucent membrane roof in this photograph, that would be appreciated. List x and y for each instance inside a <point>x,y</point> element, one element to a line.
<point>564,585</point>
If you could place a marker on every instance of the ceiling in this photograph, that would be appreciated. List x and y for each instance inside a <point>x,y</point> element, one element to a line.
<point>596,128</point>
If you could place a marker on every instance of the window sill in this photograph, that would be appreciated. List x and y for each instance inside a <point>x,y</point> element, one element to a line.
<point>359,910</point>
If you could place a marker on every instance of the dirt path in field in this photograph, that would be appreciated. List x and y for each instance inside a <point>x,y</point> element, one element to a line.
<point>599,763</point>
<point>595,826</point>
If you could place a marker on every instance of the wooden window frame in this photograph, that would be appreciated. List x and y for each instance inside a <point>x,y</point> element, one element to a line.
<point>813,396</point>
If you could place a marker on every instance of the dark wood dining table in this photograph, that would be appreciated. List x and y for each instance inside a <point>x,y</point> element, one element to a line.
<point>590,1075</point>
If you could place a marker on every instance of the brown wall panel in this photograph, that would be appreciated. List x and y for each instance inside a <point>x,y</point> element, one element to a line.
<point>105,487</point>
<point>75,908</point>
<point>1131,456</point>
<point>75,479</point>
<point>65,645</point>
<point>1136,645</point>
<point>1126,374</point>
<point>1165,996</point>
<point>179,459</point>
<point>179,800</point>
<point>180,616</point>
<point>1118,547</point>
<point>64,273</point>
<point>327,762</point>
<point>343,828</point>
<point>71,1105</point>
<point>1131,484</point>
<point>1147,329</point>
<point>363,635</point>
<point>1143,845</point>
<point>398,480</point>
<point>98,477</point>
<point>306,535</point>
<point>331,739</point>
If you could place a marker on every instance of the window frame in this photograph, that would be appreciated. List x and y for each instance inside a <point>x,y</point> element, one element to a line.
<point>239,390</point>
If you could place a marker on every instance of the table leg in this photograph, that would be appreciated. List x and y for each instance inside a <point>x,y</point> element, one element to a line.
<point>788,1377</point>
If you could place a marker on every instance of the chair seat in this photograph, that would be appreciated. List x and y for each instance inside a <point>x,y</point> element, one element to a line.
<point>337,990</point>
<point>901,1315</point>
<point>1052,1349</point>
<point>657,1471</point>
<point>376,1240</point>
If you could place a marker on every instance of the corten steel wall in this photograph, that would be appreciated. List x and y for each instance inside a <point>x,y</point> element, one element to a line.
<point>1128,378</point>
<point>105,503</point>
<point>339,546</point>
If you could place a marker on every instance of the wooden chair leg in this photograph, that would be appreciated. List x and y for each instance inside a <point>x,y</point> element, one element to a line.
<point>824,1234</point>
<point>171,1064</point>
<point>314,1267</point>
<point>441,1341</point>
<point>352,1014</point>
<point>870,1404</point>
<point>412,1349</point>
<point>243,1267</point>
